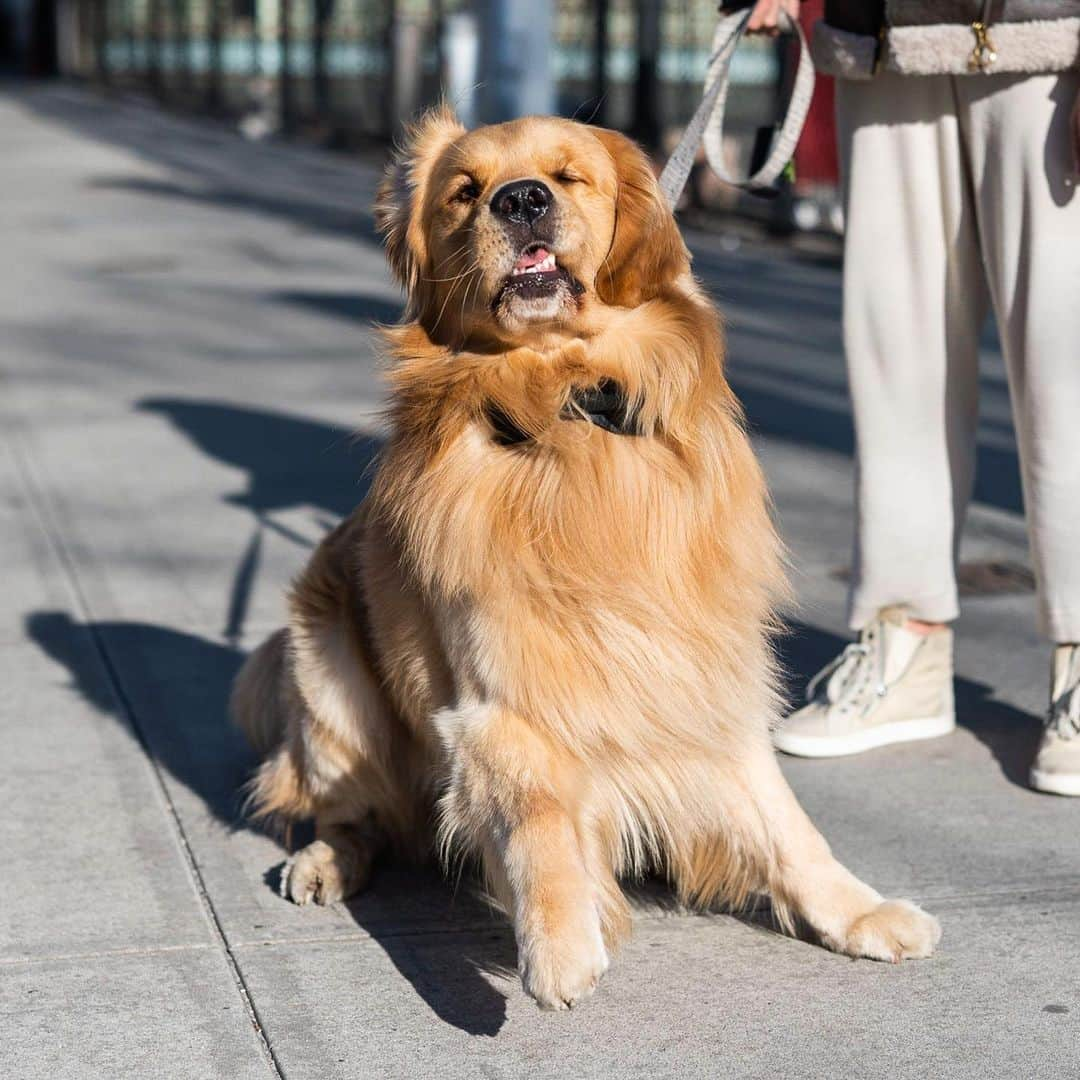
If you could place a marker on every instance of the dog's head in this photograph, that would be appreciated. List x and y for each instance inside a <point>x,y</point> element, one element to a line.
<point>503,230</point>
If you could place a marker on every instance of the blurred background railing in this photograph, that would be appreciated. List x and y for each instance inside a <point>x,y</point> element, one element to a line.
<point>348,72</point>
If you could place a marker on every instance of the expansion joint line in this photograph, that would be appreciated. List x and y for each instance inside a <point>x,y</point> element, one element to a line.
<point>48,519</point>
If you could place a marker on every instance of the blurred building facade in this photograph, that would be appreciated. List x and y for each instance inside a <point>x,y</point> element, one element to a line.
<point>346,72</point>
<point>356,68</point>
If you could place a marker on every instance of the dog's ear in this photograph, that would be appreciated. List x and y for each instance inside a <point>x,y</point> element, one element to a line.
<point>647,251</point>
<point>402,190</point>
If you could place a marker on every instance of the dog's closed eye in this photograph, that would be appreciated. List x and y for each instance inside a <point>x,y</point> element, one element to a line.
<point>467,192</point>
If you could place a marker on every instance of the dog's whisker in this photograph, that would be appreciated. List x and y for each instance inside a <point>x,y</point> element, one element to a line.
<point>449,296</point>
<point>453,255</point>
<point>474,265</point>
<point>443,280</point>
<point>465,298</point>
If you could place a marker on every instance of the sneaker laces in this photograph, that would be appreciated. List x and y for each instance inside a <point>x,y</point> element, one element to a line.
<point>845,678</point>
<point>1064,716</point>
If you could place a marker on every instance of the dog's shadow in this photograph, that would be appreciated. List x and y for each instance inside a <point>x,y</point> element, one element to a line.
<point>168,689</point>
<point>454,969</point>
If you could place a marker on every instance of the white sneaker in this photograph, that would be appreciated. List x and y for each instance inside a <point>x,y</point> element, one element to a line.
<point>890,686</point>
<point>1057,763</point>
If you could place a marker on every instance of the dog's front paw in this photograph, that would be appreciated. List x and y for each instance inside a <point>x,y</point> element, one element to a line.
<point>323,873</point>
<point>895,930</point>
<point>562,966</point>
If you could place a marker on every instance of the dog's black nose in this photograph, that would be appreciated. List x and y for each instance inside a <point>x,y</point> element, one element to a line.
<point>521,201</point>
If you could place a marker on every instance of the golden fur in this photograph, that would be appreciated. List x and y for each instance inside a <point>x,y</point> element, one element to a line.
<point>554,654</point>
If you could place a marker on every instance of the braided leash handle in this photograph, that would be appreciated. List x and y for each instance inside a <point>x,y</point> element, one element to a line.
<point>707,123</point>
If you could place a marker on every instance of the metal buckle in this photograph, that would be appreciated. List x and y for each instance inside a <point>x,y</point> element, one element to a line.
<point>984,55</point>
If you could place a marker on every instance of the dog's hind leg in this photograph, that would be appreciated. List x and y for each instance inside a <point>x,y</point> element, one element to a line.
<point>335,865</point>
<point>313,775</point>
<point>338,753</point>
<point>806,882</point>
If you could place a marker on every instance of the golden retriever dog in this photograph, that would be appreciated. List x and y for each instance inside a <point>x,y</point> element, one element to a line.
<point>543,639</point>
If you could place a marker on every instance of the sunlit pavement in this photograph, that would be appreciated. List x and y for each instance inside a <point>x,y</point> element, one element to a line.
<point>185,356</point>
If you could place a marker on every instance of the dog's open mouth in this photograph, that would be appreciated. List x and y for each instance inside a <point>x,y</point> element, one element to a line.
<point>537,273</point>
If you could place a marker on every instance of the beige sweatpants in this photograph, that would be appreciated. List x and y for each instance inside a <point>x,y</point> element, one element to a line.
<point>958,197</point>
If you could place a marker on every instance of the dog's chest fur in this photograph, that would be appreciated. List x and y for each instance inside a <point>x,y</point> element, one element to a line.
<point>579,576</point>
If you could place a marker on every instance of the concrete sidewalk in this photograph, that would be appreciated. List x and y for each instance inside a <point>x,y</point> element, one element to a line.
<point>185,353</point>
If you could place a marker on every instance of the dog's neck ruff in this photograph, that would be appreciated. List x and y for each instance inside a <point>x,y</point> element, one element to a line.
<point>605,405</point>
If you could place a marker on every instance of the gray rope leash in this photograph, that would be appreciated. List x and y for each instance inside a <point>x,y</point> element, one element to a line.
<point>707,123</point>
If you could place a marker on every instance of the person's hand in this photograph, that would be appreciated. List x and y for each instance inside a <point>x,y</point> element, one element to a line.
<point>765,18</point>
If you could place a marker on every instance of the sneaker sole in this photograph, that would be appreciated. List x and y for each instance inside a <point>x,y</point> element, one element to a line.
<point>1055,783</point>
<point>899,731</point>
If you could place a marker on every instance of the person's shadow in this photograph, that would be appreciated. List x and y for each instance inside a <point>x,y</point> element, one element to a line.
<point>288,461</point>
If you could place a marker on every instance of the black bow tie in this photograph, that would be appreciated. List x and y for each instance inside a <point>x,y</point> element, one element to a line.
<point>604,405</point>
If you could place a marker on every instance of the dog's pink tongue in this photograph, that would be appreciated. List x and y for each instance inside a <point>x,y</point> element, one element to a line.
<point>531,258</point>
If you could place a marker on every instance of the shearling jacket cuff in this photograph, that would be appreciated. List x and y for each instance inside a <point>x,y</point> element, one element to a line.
<point>1040,46</point>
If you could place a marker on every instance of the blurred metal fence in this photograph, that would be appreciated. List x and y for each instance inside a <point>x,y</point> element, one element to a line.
<point>348,70</point>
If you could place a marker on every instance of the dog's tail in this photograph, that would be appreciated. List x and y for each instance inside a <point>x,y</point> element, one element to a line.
<point>264,696</point>
<point>257,701</point>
